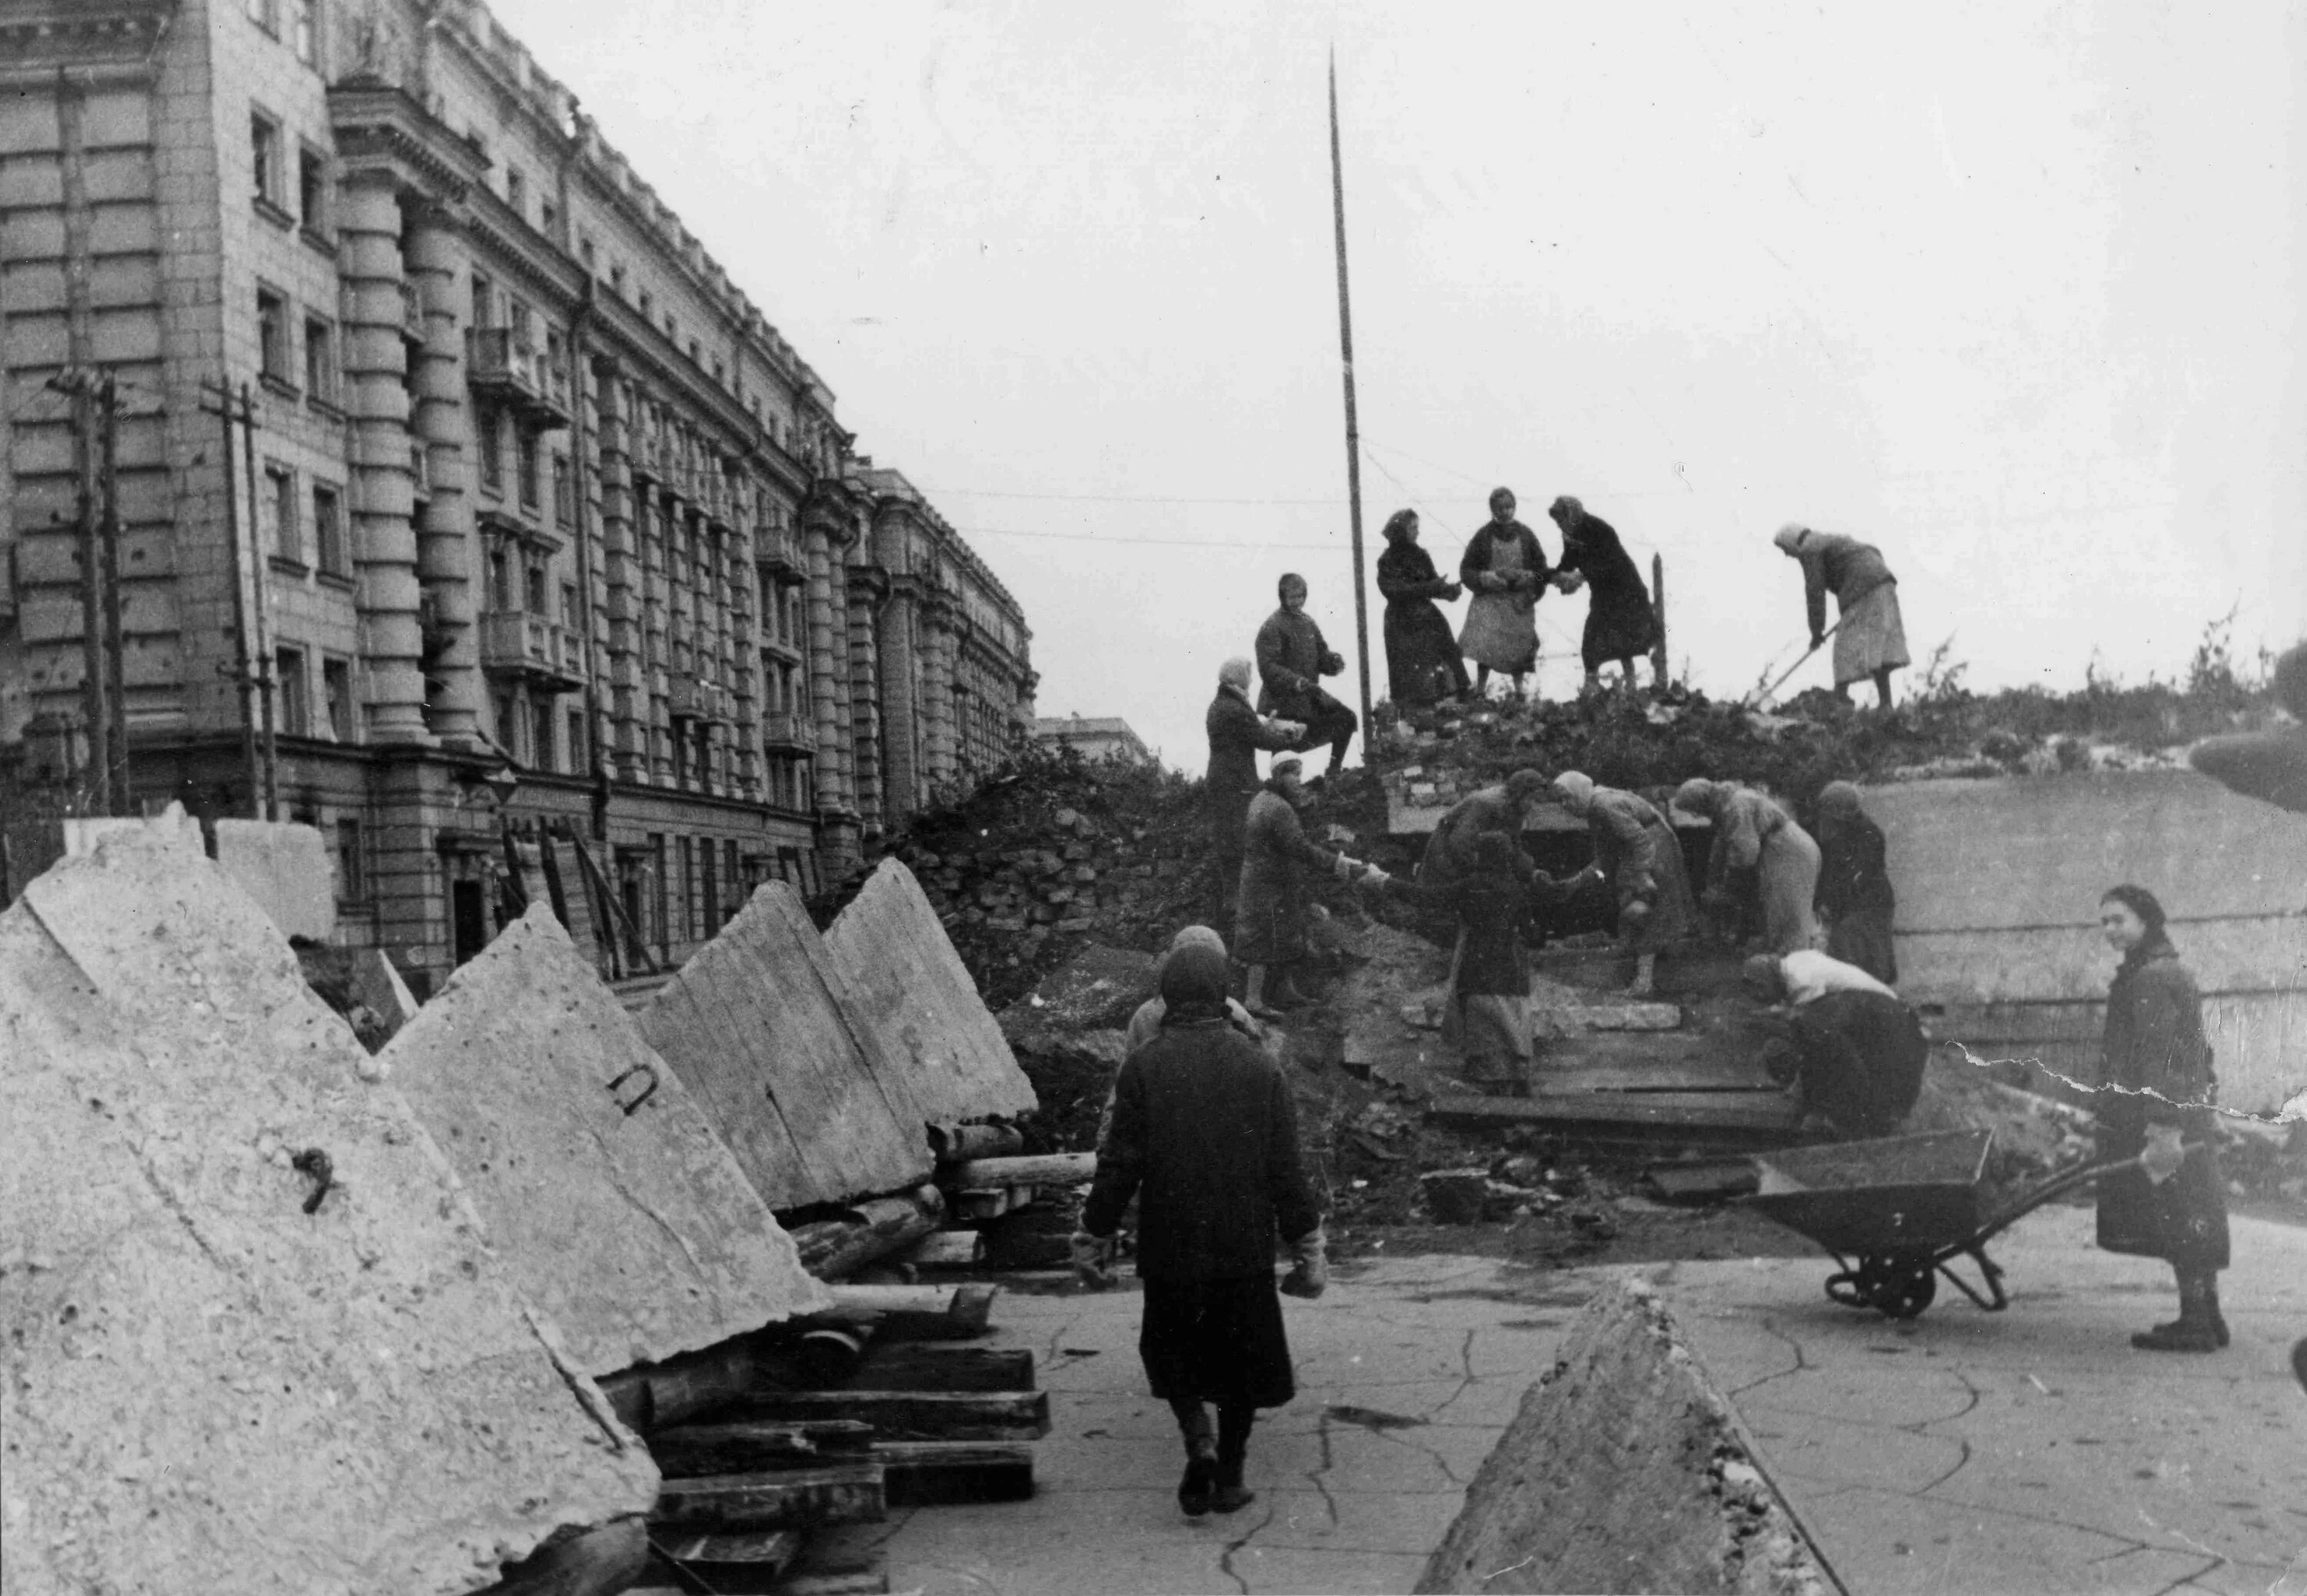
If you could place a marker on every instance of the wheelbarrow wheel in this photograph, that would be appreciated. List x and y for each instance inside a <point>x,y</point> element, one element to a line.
<point>1894,1287</point>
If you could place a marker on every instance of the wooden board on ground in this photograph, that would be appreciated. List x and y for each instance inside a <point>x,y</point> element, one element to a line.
<point>907,1415</point>
<point>906,983</point>
<point>742,1563</point>
<point>689,1451</point>
<point>1686,1076</point>
<point>843,1493</point>
<point>1748,1114</point>
<point>941,1366</point>
<point>197,1319</point>
<point>575,1141</point>
<point>761,1026</point>
<point>914,1312</point>
<point>940,1473</point>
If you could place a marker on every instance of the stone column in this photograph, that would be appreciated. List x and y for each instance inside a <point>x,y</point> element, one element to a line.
<point>821,526</point>
<point>867,584</point>
<point>383,539</point>
<point>902,775</point>
<point>446,539</point>
<point>938,731</point>
<point>626,746</point>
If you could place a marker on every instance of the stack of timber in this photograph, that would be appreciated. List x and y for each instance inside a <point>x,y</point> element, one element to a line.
<point>261,1336</point>
<point>881,1400</point>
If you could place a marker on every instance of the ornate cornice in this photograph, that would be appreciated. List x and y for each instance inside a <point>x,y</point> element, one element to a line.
<point>101,38</point>
<point>380,128</point>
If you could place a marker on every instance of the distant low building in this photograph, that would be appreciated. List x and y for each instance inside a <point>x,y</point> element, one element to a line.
<point>1104,738</point>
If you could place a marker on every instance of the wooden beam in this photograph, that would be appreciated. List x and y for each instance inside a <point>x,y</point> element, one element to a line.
<point>910,1416</point>
<point>939,1366</point>
<point>1747,1111</point>
<point>955,1144</point>
<point>679,1388</point>
<point>912,1312</point>
<point>935,1473</point>
<point>1040,1169</point>
<point>945,1249</point>
<point>695,1451</point>
<point>843,1493</point>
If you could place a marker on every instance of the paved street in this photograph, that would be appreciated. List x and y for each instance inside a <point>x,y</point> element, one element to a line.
<point>2030,1451</point>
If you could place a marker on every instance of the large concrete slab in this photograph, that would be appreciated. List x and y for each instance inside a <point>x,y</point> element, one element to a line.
<point>620,1211</point>
<point>287,869</point>
<point>1999,883</point>
<point>761,1026</point>
<point>912,988</point>
<point>208,1387</point>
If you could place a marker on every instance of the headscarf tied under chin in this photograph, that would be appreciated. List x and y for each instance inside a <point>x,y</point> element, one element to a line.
<point>1837,800</point>
<point>1575,789</point>
<point>1193,984</point>
<point>1790,536</point>
<point>1698,795</point>
<point>1234,673</point>
<point>1398,525</point>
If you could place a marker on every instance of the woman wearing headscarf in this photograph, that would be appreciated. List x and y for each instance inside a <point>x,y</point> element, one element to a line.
<point>2155,1093</point>
<point>1488,1017</point>
<point>1635,849</point>
<point>1760,855</point>
<point>1870,637</point>
<point>1421,657</point>
<point>1204,1135</point>
<point>1854,885</point>
<point>1269,926</point>
<point>1235,733</point>
<point>1620,624</point>
<point>1506,571</point>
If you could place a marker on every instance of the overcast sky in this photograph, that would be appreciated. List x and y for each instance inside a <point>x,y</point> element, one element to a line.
<point>2011,289</point>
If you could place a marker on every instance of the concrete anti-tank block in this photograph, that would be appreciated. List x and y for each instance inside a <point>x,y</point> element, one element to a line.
<point>259,1340</point>
<point>286,870</point>
<point>1626,1471</point>
<point>377,986</point>
<point>619,1211</point>
<point>172,826</point>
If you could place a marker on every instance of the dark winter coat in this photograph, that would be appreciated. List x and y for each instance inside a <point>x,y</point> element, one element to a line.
<point>1620,624</point>
<point>1861,1059</point>
<point>1291,659</point>
<point>1852,869</point>
<point>1204,1135</point>
<point>1270,912</point>
<point>1237,732</point>
<point>1450,852</point>
<point>2155,1044</point>
<point>1638,850</point>
<point>1476,559</point>
<point>1421,651</point>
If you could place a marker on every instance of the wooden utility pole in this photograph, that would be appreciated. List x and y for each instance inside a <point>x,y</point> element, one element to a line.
<point>1658,600</point>
<point>95,711</point>
<point>1353,427</point>
<point>242,671</point>
<point>264,683</point>
<point>116,656</point>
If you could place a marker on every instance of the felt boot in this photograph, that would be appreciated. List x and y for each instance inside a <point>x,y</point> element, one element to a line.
<point>2196,1329</point>
<point>1201,1458</point>
<point>1228,1495</point>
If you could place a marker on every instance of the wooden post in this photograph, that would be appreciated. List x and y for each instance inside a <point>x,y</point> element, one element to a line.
<point>115,654</point>
<point>244,677</point>
<point>1658,605</point>
<point>261,594</point>
<point>1354,429</point>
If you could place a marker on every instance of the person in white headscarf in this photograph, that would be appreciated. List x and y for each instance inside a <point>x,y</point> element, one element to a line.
<point>1760,855</point>
<point>1635,849</point>
<point>1870,637</point>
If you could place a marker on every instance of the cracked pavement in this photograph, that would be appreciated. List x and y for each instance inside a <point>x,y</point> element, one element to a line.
<point>2032,1450</point>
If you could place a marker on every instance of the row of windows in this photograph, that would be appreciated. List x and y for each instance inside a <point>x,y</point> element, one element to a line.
<point>276,348</point>
<point>292,686</point>
<point>299,524</point>
<point>303,24</point>
<point>269,155</point>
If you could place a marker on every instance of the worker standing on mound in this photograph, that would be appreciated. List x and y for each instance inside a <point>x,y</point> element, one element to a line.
<point>1292,658</point>
<point>1204,1135</point>
<point>1870,637</point>
<point>1854,897</point>
<point>1269,933</point>
<point>1235,733</point>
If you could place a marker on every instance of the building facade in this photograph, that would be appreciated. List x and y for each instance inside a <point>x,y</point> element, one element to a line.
<point>1095,737</point>
<point>528,517</point>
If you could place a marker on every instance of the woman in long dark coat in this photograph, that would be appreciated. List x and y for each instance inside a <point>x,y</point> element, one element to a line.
<point>1854,898</point>
<point>2155,1093</point>
<point>1422,663</point>
<point>1204,1135</point>
<point>1620,624</point>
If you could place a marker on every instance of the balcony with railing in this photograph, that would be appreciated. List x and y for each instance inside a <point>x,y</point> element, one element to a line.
<point>693,697</point>
<point>786,732</point>
<point>499,367</point>
<point>647,456</point>
<point>535,648</point>
<point>779,550</point>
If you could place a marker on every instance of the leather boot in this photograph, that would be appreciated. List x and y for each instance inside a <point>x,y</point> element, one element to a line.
<point>1228,1496</point>
<point>1201,1458</point>
<point>2195,1330</point>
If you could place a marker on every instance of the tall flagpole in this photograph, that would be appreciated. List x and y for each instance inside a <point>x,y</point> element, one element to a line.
<point>1354,428</point>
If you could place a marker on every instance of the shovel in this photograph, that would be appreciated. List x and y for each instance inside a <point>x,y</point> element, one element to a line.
<point>1763,696</point>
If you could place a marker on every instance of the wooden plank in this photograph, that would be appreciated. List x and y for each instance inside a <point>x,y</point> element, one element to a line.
<point>905,1415</point>
<point>940,1473</point>
<point>843,1493</point>
<point>954,1144</point>
<point>1659,1110</point>
<point>945,1249</point>
<point>759,1025</point>
<point>940,1366</point>
<point>912,1312</point>
<point>907,984</point>
<point>1046,1169</point>
<point>1724,1076</point>
<point>754,1447</point>
<point>510,1068</point>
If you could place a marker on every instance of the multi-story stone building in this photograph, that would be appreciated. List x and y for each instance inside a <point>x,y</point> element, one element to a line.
<point>538,519</point>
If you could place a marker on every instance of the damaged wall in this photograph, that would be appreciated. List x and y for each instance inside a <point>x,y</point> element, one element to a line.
<point>212,1387</point>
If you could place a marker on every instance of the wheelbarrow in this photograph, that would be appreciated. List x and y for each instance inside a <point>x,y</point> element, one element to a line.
<point>1896,1213</point>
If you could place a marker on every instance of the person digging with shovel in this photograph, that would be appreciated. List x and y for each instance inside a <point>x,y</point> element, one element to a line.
<point>1204,1135</point>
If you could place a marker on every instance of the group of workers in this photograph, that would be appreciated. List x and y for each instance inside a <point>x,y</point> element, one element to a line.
<point>1201,1130</point>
